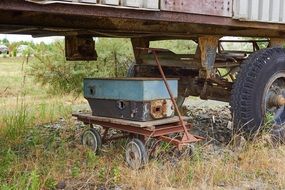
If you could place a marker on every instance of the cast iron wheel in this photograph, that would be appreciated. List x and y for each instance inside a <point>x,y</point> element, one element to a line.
<point>91,138</point>
<point>259,92</point>
<point>136,154</point>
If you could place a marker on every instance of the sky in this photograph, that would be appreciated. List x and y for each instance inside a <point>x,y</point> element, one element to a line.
<point>15,38</point>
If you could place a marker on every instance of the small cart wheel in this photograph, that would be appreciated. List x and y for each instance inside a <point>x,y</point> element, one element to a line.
<point>136,154</point>
<point>92,139</point>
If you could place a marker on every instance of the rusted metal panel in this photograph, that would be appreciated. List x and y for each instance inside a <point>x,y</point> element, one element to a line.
<point>204,7</point>
<point>132,110</point>
<point>208,48</point>
<point>78,48</point>
<point>260,10</point>
<point>161,109</point>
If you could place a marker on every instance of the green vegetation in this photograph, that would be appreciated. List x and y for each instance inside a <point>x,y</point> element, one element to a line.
<point>177,46</point>
<point>40,141</point>
<point>50,68</point>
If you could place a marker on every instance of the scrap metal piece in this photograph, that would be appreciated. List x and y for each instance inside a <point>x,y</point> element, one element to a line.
<point>139,42</point>
<point>208,47</point>
<point>80,48</point>
<point>132,110</point>
<point>161,109</point>
<point>277,42</point>
<point>187,137</point>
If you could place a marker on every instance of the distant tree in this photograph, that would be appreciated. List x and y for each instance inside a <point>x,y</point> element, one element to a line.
<point>5,41</point>
<point>13,48</point>
<point>115,55</point>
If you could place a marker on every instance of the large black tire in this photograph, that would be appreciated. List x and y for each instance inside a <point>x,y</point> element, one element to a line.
<point>247,104</point>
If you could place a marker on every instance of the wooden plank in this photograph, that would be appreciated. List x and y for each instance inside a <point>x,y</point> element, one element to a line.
<point>128,122</point>
<point>204,7</point>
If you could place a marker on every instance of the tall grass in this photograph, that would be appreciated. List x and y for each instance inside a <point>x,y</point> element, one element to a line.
<point>255,167</point>
<point>15,122</point>
<point>35,154</point>
<point>40,157</point>
<point>19,138</point>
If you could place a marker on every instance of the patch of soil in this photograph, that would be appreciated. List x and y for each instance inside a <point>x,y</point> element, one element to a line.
<point>212,123</point>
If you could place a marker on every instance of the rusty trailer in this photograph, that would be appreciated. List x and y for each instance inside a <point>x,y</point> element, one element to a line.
<point>252,80</point>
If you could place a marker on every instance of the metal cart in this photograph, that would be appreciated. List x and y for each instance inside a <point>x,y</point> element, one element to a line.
<point>139,132</point>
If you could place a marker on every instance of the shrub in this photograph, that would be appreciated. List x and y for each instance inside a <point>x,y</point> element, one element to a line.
<point>51,68</point>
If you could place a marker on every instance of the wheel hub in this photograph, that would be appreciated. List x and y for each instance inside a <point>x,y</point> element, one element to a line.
<point>274,99</point>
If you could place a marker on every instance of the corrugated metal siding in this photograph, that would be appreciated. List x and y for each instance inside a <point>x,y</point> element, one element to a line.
<point>145,4</point>
<point>260,10</point>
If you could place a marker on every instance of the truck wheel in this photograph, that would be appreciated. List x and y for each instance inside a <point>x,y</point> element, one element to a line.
<point>258,95</point>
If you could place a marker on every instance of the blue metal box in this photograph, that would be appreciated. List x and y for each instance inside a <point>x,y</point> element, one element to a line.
<point>132,89</point>
<point>139,99</point>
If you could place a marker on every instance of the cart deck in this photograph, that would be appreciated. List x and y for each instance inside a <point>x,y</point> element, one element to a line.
<point>146,124</point>
<point>157,128</point>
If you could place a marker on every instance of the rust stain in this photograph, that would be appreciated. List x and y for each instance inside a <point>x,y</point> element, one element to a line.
<point>161,109</point>
<point>205,7</point>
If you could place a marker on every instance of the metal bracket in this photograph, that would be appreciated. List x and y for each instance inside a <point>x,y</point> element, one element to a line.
<point>277,42</point>
<point>80,48</point>
<point>208,50</point>
<point>139,42</point>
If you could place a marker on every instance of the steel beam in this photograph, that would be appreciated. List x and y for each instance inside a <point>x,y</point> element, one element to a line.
<point>31,18</point>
